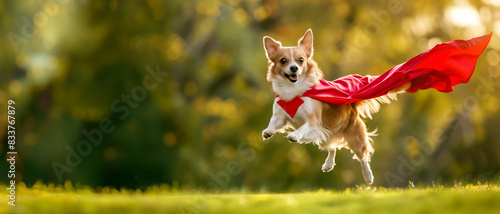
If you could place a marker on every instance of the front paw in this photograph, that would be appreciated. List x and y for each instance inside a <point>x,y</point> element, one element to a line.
<point>293,137</point>
<point>266,134</point>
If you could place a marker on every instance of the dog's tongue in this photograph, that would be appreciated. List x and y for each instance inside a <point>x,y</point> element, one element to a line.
<point>293,77</point>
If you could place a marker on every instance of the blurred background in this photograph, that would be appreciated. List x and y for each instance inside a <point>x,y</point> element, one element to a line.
<point>138,93</point>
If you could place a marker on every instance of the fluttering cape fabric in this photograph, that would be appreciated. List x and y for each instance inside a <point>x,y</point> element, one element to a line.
<point>441,68</point>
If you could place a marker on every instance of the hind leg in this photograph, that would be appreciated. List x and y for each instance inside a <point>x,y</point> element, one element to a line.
<point>367,172</point>
<point>358,141</point>
<point>330,161</point>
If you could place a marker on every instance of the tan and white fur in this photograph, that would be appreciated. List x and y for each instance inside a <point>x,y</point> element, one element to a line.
<point>292,71</point>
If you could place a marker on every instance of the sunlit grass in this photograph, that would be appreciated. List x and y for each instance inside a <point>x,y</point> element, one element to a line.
<point>480,198</point>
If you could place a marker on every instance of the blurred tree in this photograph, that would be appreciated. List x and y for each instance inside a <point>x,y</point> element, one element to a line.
<point>69,65</point>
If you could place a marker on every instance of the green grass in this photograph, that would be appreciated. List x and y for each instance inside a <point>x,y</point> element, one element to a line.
<point>41,198</point>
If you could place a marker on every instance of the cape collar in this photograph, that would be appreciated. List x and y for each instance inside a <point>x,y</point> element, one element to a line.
<point>291,106</point>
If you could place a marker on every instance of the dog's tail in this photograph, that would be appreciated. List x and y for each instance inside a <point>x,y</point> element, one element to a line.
<point>366,108</point>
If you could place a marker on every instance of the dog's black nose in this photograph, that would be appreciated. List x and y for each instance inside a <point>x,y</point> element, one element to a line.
<point>294,68</point>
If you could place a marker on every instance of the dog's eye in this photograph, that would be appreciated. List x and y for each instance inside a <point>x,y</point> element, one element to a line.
<point>301,60</point>
<point>283,60</point>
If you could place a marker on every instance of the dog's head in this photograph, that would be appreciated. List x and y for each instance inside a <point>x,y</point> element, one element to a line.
<point>292,66</point>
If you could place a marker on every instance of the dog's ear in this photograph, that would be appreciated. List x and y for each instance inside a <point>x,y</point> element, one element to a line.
<point>271,46</point>
<point>306,43</point>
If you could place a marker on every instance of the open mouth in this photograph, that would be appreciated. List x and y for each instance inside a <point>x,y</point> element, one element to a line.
<point>292,77</point>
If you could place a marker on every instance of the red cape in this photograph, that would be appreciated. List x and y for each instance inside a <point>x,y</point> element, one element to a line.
<point>441,67</point>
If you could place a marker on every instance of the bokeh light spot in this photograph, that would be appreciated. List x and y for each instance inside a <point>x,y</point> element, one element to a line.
<point>35,72</point>
<point>30,139</point>
<point>241,16</point>
<point>433,42</point>
<point>190,89</point>
<point>463,16</point>
<point>260,13</point>
<point>170,139</point>
<point>113,5</point>
<point>175,46</point>
<point>110,154</point>
<point>15,87</point>
<point>493,57</point>
<point>347,175</point>
<point>492,2</point>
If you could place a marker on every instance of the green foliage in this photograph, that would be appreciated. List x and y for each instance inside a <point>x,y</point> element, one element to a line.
<point>208,113</point>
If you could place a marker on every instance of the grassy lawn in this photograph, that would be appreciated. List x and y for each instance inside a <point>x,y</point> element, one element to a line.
<point>41,198</point>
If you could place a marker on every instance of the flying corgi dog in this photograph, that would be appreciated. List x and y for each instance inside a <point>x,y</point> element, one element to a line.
<point>293,74</point>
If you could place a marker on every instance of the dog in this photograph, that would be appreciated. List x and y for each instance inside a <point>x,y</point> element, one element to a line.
<point>292,71</point>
